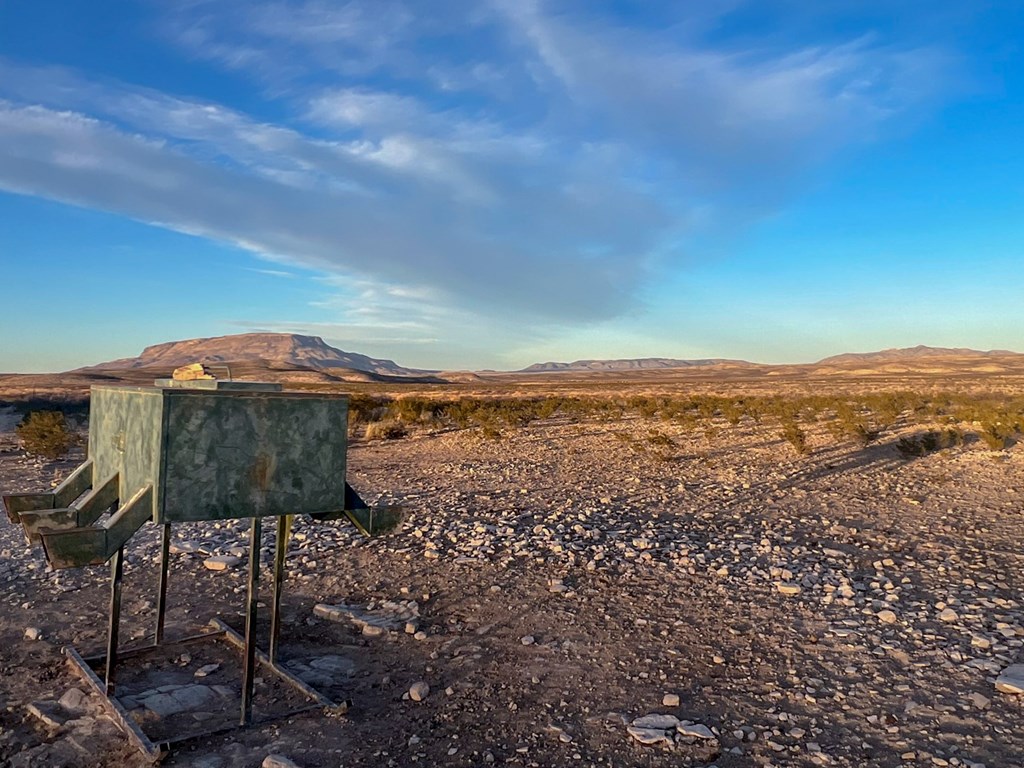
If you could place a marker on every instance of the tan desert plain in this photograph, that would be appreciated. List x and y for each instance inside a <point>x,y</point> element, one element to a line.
<point>602,563</point>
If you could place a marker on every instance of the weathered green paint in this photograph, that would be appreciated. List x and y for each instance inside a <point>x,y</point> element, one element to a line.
<point>78,515</point>
<point>16,503</point>
<point>217,454</point>
<point>101,498</point>
<point>125,436</point>
<point>95,544</point>
<point>34,522</point>
<point>77,483</point>
<point>182,454</point>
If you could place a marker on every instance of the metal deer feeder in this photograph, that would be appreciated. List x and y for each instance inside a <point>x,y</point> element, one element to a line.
<point>191,451</point>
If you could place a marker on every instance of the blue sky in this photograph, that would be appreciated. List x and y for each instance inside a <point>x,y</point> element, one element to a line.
<point>500,182</point>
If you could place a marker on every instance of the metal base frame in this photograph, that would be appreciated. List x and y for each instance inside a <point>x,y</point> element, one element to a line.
<point>251,655</point>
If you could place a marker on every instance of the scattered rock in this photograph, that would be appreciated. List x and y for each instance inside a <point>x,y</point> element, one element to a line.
<point>664,722</point>
<point>74,700</point>
<point>49,713</point>
<point>221,562</point>
<point>386,615</point>
<point>886,617</point>
<point>695,731</point>
<point>279,761</point>
<point>334,665</point>
<point>979,700</point>
<point>649,735</point>
<point>207,669</point>
<point>33,633</point>
<point>1011,679</point>
<point>788,589</point>
<point>178,699</point>
<point>948,615</point>
<point>418,691</point>
<point>670,700</point>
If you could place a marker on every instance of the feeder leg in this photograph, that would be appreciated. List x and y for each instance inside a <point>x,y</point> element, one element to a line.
<point>249,667</point>
<point>116,572</point>
<point>275,616</point>
<point>161,598</point>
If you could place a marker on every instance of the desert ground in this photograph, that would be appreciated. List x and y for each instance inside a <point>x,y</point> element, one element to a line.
<point>559,579</point>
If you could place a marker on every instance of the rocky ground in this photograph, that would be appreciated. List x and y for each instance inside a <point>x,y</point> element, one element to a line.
<point>597,593</point>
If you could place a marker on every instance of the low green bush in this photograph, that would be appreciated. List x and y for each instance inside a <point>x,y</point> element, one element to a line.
<point>46,434</point>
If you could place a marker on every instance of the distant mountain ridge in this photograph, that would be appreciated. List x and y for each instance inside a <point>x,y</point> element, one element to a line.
<point>920,352</point>
<point>627,364</point>
<point>289,356</point>
<point>274,348</point>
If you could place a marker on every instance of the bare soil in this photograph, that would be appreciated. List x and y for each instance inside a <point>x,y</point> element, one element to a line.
<point>569,576</point>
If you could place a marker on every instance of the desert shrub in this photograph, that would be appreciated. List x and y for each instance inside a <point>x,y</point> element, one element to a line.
<point>851,423</point>
<point>794,435</point>
<point>490,432</point>
<point>660,439</point>
<point>733,410</point>
<point>365,408</point>
<point>387,429</point>
<point>933,440</point>
<point>548,407</point>
<point>459,412</point>
<point>656,445</point>
<point>647,407</point>
<point>888,407</point>
<point>46,433</point>
<point>996,435</point>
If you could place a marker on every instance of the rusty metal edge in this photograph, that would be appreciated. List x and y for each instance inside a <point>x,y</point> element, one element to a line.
<point>120,716</point>
<point>160,749</point>
<point>239,642</point>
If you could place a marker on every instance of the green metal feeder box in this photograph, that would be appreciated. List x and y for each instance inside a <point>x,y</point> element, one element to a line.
<point>222,454</point>
<point>193,451</point>
<point>186,452</point>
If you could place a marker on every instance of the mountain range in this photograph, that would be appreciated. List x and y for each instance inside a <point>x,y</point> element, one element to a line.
<point>273,349</point>
<point>297,357</point>
<point>629,364</point>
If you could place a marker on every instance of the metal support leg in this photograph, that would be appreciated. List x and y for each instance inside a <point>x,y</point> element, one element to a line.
<point>249,667</point>
<point>161,598</point>
<point>116,572</point>
<point>275,616</point>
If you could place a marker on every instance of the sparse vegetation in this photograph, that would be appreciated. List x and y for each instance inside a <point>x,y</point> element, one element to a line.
<point>795,436</point>
<point>852,422</point>
<point>996,435</point>
<point>386,430</point>
<point>862,419</point>
<point>46,434</point>
<point>922,444</point>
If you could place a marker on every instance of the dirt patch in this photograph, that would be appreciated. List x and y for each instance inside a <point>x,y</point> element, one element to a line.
<point>566,582</point>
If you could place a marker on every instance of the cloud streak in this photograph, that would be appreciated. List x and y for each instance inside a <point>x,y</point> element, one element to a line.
<point>540,167</point>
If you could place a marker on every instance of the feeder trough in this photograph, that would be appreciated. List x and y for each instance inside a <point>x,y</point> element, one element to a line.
<point>192,451</point>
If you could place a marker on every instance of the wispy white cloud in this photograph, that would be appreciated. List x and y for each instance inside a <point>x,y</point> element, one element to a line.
<point>272,272</point>
<point>480,164</point>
